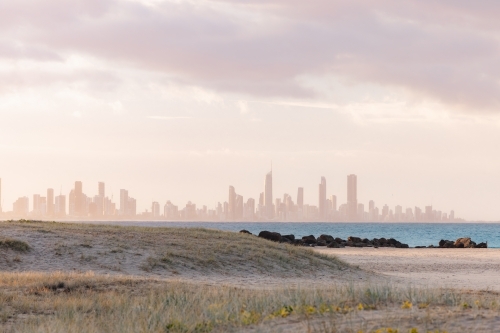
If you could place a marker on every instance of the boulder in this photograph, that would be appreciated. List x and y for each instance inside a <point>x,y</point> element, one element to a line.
<point>464,242</point>
<point>333,245</point>
<point>482,245</point>
<point>354,239</point>
<point>245,232</point>
<point>290,237</point>
<point>326,238</point>
<point>272,236</point>
<point>309,239</point>
<point>320,243</point>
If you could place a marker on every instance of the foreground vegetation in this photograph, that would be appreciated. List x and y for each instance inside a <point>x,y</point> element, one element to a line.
<point>70,302</point>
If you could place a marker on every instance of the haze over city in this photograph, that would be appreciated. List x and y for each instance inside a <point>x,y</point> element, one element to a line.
<point>177,100</point>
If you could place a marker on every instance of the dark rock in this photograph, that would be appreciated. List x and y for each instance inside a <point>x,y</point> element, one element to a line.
<point>354,239</point>
<point>366,241</point>
<point>321,243</point>
<point>404,246</point>
<point>245,232</point>
<point>290,237</point>
<point>482,246</point>
<point>272,236</point>
<point>309,239</point>
<point>333,245</point>
<point>339,240</point>
<point>326,238</point>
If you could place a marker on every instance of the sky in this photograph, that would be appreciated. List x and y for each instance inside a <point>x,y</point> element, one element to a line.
<point>176,100</point>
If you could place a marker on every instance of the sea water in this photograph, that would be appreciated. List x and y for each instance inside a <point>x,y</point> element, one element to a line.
<point>413,234</point>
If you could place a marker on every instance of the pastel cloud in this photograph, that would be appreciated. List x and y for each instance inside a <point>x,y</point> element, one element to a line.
<point>446,51</point>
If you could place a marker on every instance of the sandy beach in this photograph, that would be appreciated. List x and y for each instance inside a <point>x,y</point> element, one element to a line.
<point>476,269</point>
<point>232,282</point>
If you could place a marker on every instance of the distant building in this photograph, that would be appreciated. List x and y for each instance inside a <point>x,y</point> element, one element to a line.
<point>322,199</point>
<point>300,197</point>
<point>352,197</point>
<point>50,202</point>
<point>268,195</point>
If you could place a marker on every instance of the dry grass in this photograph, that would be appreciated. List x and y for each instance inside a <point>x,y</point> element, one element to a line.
<point>64,302</point>
<point>163,251</point>
<point>14,244</point>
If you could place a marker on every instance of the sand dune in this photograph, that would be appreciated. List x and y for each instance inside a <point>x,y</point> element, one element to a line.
<point>208,256</point>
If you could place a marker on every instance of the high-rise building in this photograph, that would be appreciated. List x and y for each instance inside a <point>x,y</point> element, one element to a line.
<point>238,209</point>
<point>333,199</point>
<point>232,204</point>
<point>352,197</point>
<point>398,212</point>
<point>123,202</point>
<point>21,207</point>
<point>101,189</point>
<point>50,202</point>
<point>36,205</point>
<point>268,195</point>
<point>322,199</point>
<point>300,197</point>
<point>79,200</point>
<point>155,210</point>
<point>60,205</point>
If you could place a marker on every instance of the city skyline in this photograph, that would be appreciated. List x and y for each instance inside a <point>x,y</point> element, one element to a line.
<point>80,206</point>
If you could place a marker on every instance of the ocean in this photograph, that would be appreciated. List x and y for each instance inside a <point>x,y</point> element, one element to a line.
<point>413,234</point>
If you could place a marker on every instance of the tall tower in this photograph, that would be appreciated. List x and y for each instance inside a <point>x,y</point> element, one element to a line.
<point>300,197</point>
<point>50,202</point>
<point>268,195</point>
<point>231,204</point>
<point>123,202</point>
<point>352,197</point>
<point>0,195</point>
<point>101,189</point>
<point>322,199</point>
<point>78,198</point>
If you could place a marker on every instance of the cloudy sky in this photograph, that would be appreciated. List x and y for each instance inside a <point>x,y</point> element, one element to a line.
<point>180,99</point>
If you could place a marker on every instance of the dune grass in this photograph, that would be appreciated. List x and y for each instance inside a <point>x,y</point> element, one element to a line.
<point>70,302</point>
<point>171,250</point>
<point>14,244</point>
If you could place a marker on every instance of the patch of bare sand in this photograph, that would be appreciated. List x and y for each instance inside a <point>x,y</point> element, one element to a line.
<point>476,269</point>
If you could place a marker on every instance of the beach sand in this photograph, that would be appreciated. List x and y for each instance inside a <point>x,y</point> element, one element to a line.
<point>475,269</point>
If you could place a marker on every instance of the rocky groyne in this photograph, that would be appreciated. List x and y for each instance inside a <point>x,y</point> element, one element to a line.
<point>336,242</point>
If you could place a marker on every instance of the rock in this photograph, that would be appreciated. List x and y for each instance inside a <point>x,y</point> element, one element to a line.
<point>446,244</point>
<point>272,236</point>
<point>405,246</point>
<point>366,241</point>
<point>245,232</point>
<point>290,237</point>
<point>464,242</point>
<point>354,239</point>
<point>482,246</point>
<point>333,245</point>
<point>339,240</point>
<point>321,243</point>
<point>309,239</point>
<point>326,238</point>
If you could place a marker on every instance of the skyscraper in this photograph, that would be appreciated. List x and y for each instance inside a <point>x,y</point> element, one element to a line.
<point>300,198</point>
<point>123,202</point>
<point>50,202</point>
<point>322,199</point>
<point>268,195</point>
<point>232,204</point>
<point>78,198</point>
<point>101,189</point>
<point>352,197</point>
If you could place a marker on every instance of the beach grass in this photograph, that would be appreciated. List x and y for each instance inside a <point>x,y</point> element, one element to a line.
<point>86,302</point>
